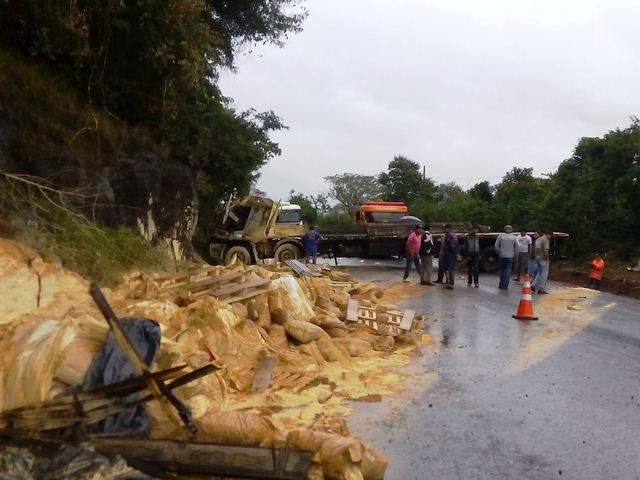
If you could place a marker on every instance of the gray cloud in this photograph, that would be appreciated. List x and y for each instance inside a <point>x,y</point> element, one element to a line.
<point>469,88</point>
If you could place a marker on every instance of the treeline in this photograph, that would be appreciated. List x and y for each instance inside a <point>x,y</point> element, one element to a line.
<point>154,64</point>
<point>594,196</point>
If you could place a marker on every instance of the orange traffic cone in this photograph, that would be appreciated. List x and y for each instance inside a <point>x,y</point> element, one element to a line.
<point>525,309</point>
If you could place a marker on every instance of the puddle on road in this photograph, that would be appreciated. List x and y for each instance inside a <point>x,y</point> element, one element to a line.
<point>562,314</point>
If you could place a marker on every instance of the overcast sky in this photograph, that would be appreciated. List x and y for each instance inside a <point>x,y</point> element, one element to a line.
<point>469,88</point>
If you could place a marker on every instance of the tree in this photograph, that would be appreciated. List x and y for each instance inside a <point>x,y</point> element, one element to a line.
<point>155,64</point>
<point>351,189</point>
<point>448,192</point>
<point>482,191</point>
<point>311,206</point>
<point>595,194</point>
<point>320,203</point>
<point>520,195</point>
<point>403,181</point>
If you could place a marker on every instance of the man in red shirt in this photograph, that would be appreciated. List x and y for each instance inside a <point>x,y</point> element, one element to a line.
<point>596,272</point>
<point>412,251</point>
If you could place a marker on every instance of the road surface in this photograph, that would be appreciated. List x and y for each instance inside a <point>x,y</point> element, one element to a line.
<point>496,398</point>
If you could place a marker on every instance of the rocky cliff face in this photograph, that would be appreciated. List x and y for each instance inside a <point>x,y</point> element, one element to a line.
<point>155,195</point>
<point>139,190</point>
<point>7,132</point>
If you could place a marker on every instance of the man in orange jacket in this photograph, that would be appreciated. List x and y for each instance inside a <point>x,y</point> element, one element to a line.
<point>596,271</point>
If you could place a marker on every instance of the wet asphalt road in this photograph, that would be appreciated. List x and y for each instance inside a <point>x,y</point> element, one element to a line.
<point>496,398</point>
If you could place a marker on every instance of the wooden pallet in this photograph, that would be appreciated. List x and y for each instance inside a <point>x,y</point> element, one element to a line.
<point>393,323</point>
<point>307,269</point>
<point>231,287</point>
<point>319,267</point>
<point>302,269</point>
<point>180,278</point>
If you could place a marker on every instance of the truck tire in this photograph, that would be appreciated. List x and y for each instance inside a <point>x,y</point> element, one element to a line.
<point>242,253</point>
<point>489,260</point>
<point>287,251</point>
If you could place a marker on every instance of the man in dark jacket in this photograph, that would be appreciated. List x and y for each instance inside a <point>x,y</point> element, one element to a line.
<point>449,254</point>
<point>472,251</point>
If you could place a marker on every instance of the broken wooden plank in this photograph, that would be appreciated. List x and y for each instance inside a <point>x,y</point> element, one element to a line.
<point>342,285</point>
<point>352,310</point>
<point>262,379</point>
<point>407,320</point>
<point>185,274</point>
<point>209,459</point>
<point>89,407</point>
<point>247,295</point>
<point>228,290</point>
<point>206,281</point>
<point>320,268</point>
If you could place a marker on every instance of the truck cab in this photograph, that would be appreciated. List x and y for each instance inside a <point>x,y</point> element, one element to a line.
<point>256,227</point>
<point>380,212</point>
<point>288,222</point>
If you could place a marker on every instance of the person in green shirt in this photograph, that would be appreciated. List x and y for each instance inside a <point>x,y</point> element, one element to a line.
<point>543,245</point>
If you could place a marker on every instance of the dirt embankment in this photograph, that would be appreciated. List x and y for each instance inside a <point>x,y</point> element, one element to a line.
<point>618,283</point>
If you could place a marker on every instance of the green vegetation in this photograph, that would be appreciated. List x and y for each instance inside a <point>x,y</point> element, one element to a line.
<point>403,182</point>
<point>153,65</point>
<point>54,121</point>
<point>312,206</point>
<point>594,196</point>
<point>57,227</point>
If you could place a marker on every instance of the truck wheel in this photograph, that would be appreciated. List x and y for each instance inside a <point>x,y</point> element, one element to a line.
<point>489,260</point>
<point>287,251</point>
<point>242,253</point>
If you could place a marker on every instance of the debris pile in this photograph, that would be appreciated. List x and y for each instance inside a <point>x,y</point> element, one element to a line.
<point>287,350</point>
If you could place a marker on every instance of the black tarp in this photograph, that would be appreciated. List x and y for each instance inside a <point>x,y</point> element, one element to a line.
<point>112,365</point>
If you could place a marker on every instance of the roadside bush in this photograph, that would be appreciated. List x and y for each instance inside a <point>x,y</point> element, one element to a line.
<point>52,221</point>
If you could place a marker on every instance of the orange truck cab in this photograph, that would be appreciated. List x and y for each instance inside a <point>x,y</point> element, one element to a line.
<point>380,212</point>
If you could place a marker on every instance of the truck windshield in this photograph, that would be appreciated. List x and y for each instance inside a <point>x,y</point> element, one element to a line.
<point>289,216</point>
<point>384,217</point>
<point>236,218</point>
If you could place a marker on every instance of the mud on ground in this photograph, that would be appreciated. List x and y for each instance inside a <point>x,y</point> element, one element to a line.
<point>618,283</point>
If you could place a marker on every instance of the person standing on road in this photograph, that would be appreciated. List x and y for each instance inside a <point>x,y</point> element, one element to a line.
<point>310,240</point>
<point>596,271</point>
<point>472,251</point>
<point>532,269</point>
<point>449,254</point>
<point>426,256</point>
<point>412,251</point>
<point>437,252</point>
<point>543,244</point>
<point>506,246</point>
<point>525,245</point>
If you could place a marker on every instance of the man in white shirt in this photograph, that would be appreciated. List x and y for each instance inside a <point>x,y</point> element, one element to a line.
<point>506,246</point>
<point>524,253</point>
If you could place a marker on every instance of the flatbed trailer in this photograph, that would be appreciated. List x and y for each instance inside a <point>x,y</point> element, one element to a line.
<point>390,242</point>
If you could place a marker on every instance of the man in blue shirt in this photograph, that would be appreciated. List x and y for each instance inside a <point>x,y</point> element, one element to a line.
<point>311,239</point>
